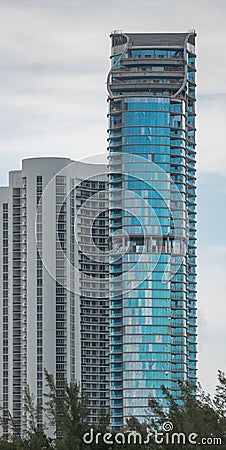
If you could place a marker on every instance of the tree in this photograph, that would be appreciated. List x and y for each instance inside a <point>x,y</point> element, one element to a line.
<point>36,438</point>
<point>195,412</point>
<point>11,445</point>
<point>68,412</point>
<point>220,395</point>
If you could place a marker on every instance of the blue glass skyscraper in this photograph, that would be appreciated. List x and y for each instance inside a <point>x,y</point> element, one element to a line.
<point>151,87</point>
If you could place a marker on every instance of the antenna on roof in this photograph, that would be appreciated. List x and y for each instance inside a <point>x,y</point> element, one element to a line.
<point>116,32</point>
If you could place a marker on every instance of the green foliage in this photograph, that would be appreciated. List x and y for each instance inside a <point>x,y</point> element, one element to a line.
<point>36,438</point>
<point>220,396</point>
<point>195,412</point>
<point>67,411</point>
<point>11,445</point>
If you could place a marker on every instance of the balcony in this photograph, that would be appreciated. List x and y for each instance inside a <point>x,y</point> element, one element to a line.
<point>153,59</point>
<point>143,72</point>
<point>136,85</point>
<point>116,125</point>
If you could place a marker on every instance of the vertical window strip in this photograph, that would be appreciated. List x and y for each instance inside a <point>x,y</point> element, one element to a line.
<point>5,318</point>
<point>61,293</point>
<point>39,293</point>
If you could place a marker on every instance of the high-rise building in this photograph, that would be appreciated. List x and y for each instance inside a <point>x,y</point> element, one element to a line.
<point>152,158</point>
<point>54,283</point>
<point>66,248</point>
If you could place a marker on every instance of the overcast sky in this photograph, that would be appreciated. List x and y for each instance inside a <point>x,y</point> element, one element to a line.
<point>54,57</point>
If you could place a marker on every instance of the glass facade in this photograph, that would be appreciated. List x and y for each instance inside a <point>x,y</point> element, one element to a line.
<point>152,218</point>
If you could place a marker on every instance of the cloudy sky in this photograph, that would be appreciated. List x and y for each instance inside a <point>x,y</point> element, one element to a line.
<point>54,62</point>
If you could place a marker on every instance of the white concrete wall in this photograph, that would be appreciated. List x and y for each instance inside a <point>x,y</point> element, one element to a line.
<point>48,168</point>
